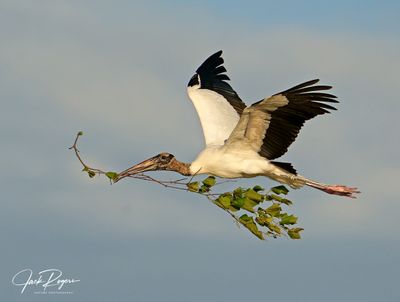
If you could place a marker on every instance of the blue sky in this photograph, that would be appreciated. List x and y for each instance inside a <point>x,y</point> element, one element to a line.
<point>118,71</point>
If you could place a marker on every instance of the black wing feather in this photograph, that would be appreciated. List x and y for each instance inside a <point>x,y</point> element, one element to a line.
<point>302,85</point>
<point>212,76</point>
<point>305,102</point>
<point>285,166</point>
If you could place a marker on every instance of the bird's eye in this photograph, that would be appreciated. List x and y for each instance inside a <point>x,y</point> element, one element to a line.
<point>164,157</point>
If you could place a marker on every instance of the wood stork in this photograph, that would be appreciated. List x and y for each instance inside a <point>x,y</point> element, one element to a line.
<point>243,141</point>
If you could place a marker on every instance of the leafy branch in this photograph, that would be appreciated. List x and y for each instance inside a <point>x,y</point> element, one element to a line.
<point>257,209</point>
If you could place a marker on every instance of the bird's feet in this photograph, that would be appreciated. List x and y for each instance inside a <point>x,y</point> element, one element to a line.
<point>340,190</point>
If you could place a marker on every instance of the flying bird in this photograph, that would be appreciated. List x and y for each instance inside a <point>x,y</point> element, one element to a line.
<point>243,142</point>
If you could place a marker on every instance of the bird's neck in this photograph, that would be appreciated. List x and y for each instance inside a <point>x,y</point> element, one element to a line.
<point>180,167</point>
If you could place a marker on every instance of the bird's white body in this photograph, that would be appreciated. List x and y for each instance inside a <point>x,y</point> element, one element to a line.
<point>232,162</point>
<point>227,163</point>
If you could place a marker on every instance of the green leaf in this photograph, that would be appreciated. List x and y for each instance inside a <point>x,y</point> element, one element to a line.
<point>280,190</point>
<point>224,201</point>
<point>112,175</point>
<point>268,197</point>
<point>233,209</point>
<point>264,220</point>
<point>249,205</point>
<point>249,223</point>
<point>288,219</point>
<point>286,201</point>
<point>238,193</point>
<point>204,189</point>
<point>257,188</point>
<point>274,228</point>
<point>276,197</point>
<point>91,173</point>
<point>209,181</point>
<point>245,218</point>
<point>238,202</point>
<point>295,233</point>
<point>274,210</point>
<point>193,186</point>
<point>80,133</point>
<point>253,195</point>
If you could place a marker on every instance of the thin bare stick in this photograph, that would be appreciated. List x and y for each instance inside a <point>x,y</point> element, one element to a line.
<point>85,166</point>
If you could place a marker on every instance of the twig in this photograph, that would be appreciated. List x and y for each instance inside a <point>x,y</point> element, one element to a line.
<point>85,166</point>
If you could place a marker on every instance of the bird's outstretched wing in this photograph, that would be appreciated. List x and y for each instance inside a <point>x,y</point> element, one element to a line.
<point>271,125</point>
<point>217,104</point>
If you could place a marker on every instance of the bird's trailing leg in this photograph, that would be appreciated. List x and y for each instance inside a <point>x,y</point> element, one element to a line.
<point>340,190</point>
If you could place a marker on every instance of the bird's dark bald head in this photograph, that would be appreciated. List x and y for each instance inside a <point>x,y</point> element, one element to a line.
<point>163,159</point>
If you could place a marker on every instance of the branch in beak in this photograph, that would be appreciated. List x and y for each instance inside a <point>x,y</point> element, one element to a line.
<point>147,165</point>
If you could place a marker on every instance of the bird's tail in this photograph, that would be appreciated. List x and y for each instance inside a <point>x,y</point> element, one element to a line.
<point>340,190</point>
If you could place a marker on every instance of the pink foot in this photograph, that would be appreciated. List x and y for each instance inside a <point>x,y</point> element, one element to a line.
<point>340,190</point>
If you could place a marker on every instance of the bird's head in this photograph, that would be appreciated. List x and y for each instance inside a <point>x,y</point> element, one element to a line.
<point>162,161</point>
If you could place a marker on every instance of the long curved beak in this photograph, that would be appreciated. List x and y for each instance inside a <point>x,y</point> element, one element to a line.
<point>147,165</point>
